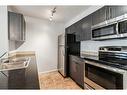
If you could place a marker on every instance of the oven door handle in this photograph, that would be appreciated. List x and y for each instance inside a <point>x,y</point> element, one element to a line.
<point>113,69</point>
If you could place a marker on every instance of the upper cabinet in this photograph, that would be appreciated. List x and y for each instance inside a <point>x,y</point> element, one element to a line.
<point>103,14</point>
<point>107,12</point>
<point>99,16</point>
<point>86,28</point>
<point>119,10</point>
<point>81,29</point>
<point>16,26</point>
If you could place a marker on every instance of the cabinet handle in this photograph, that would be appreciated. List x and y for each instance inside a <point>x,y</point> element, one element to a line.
<point>109,13</point>
<point>105,13</point>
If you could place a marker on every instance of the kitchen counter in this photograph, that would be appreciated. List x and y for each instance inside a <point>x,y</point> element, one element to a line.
<point>23,78</point>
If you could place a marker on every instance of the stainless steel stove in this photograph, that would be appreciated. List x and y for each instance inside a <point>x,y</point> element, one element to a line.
<point>109,71</point>
<point>115,56</point>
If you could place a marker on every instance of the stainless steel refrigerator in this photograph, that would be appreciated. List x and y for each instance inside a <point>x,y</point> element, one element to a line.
<point>61,55</point>
<point>67,45</point>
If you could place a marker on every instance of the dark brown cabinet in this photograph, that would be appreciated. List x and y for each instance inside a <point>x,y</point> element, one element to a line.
<point>23,33</point>
<point>119,10</point>
<point>111,12</point>
<point>73,29</point>
<point>16,27</point>
<point>3,80</point>
<point>115,11</point>
<point>108,12</point>
<point>103,14</point>
<point>81,29</point>
<point>76,70</point>
<point>85,28</point>
<point>99,15</point>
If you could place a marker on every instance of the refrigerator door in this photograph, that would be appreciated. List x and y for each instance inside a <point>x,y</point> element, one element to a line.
<point>61,60</point>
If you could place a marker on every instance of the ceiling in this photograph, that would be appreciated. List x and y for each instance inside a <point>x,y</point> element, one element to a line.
<point>63,13</point>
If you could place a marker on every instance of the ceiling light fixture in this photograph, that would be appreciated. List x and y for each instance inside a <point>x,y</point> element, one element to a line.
<point>52,13</point>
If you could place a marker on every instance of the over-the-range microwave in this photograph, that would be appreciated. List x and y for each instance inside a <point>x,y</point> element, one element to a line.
<point>113,28</point>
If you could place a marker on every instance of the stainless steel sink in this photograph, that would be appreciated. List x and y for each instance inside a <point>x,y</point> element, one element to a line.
<point>15,63</point>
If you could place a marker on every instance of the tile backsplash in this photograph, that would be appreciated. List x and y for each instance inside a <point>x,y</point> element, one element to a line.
<point>93,46</point>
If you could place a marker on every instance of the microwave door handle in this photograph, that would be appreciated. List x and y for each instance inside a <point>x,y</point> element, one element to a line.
<point>117,32</point>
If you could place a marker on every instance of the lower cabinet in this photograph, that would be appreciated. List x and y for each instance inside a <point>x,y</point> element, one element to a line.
<point>16,79</point>
<point>76,70</point>
<point>3,80</point>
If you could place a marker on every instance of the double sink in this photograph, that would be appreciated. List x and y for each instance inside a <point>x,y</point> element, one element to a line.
<point>14,63</point>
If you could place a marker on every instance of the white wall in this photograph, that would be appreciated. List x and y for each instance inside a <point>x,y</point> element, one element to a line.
<point>41,37</point>
<point>3,30</point>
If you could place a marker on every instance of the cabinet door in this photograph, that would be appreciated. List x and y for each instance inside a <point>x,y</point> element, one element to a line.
<point>4,80</point>
<point>81,29</point>
<point>74,31</point>
<point>80,72</point>
<point>120,10</point>
<point>78,36</point>
<point>16,79</point>
<point>99,16</point>
<point>67,30</point>
<point>76,69</point>
<point>95,17</point>
<point>86,28</point>
<point>72,68</point>
<point>16,26</point>
<point>71,29</point>
<point>78,30</point>
<point>111,12</point>
<point>24,29</point>
<point>106,13</point>
<point>103,14</point>
<point>114,11</point>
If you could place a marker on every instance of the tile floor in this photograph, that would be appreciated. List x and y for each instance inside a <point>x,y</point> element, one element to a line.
<point>54,80</point>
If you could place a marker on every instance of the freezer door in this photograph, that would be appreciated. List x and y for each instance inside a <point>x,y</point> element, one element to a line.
<point>61,60</point>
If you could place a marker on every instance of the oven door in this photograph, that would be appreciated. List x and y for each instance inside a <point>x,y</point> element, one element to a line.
<point>102,78</point>
<point>104,32</point>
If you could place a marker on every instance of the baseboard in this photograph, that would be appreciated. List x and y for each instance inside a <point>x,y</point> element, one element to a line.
<point>48,71</point>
